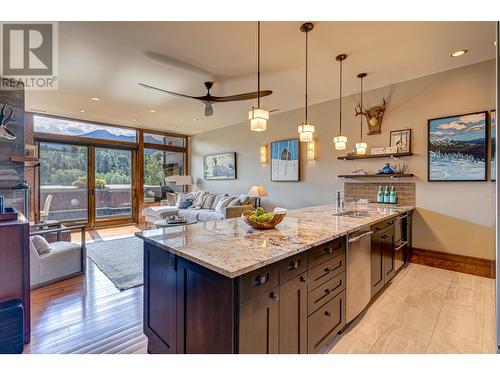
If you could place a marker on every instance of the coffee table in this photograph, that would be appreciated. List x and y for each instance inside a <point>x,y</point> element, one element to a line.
<point>164,223</point>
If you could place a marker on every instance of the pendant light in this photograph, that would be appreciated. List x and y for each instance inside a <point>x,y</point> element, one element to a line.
<point>258,117</point>
<point>306,130</point>
<point>361,146</point>
<point>340,141</point>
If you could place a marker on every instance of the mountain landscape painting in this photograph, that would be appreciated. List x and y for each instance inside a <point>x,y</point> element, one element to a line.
<point>458,148</point>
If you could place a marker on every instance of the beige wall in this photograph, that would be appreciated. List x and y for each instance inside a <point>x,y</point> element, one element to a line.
<point>451,217</point>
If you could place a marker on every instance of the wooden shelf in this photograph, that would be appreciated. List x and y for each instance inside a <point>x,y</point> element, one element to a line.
<point>23,159</point>
<point>393,175</point>
<point>355,157</point>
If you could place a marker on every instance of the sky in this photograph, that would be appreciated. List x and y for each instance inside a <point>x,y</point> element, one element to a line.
<point>462,128</point>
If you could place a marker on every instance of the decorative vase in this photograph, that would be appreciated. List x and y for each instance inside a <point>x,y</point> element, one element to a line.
<point>388,169</point>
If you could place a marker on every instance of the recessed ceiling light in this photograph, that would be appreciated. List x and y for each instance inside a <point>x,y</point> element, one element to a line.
<point>82,111</point>
<point>153,110</point>
<point>195,119</point>
<point>460,52</point>
<point>174,127</point>
<point>134,120</point>
<point>95,98</point>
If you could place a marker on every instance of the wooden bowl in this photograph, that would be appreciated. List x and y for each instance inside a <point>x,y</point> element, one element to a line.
<point>277,218</point>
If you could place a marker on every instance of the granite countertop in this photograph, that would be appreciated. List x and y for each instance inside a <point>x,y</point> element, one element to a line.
<point>232,248</point>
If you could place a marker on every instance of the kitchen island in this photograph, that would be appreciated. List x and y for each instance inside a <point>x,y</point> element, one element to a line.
<point>223,287</point>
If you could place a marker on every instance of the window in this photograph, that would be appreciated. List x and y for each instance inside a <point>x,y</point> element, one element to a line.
<point>158,139</point>
<point>51,125</point>
<point>158,165</point>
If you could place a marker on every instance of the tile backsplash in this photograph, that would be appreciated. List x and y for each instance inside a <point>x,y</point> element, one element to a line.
<point>368,190</point>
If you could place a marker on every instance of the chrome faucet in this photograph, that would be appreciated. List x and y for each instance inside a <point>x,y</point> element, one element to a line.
<point>340,201</point>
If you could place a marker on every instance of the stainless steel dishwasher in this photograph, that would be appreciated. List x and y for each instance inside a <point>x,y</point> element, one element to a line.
<point>358,283</point>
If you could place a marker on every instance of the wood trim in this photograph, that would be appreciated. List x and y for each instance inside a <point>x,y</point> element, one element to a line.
<point>454,262</point>
<point>164,147</point>
<point>59,138</point>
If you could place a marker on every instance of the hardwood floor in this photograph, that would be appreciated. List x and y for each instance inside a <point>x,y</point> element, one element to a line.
<point>427,310</point>
<point>424,310</point>
<point>87,313</point>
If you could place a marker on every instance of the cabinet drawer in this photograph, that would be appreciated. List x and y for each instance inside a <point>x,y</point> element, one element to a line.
<point>382,225</point>
<point>325,323</point>
<point>256,282</point>
<point>326,271</point>
<point>292,266</point>
<point>325,252</point>
<point>321,295</point>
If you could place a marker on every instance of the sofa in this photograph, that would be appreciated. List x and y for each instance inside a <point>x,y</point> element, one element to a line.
<point>205,206</point>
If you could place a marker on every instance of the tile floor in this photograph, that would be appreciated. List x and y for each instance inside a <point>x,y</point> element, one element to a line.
<point>427,310</point>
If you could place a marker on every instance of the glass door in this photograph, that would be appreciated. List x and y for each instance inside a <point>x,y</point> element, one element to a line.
<point>63,182</point>
<point>113,195</point>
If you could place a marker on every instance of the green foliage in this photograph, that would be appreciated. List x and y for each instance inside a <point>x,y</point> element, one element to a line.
<point>100,183</point>
<point>153,169</point>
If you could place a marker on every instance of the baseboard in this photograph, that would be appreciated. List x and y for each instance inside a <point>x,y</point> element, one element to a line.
<point>454,262</point>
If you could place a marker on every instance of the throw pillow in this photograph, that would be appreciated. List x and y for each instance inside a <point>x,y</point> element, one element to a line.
<point>244,199</point>
<point>223,204</point>
<point>208,201</point>
<point>185,203</point>
<point>41,244</point>
<point>217,199</point>
<point>234,202</point>
<point>198,199</point>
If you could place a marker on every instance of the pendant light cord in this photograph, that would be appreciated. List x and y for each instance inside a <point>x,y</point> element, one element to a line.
<point>306,73</point>
<point>340,100</point>
<point>361,117</point>
<point>258,64</point>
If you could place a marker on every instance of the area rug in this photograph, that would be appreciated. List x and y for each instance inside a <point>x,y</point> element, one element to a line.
<point>119,259</point>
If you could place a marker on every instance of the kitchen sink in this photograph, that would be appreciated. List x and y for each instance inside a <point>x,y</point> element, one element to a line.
<point>353,213</point>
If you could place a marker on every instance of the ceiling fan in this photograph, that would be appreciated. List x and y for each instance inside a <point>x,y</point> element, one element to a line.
<point>208,99</point>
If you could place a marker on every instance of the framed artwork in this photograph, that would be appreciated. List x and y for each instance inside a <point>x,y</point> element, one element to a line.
<point>457,147</point>
<point>493,122</point>
<point>220,166</point>
<point>285,160</point>
<point>401,139</point>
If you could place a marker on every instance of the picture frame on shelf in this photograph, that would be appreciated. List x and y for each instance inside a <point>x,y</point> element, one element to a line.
<point>457,147</point>
<point>285,160</point>
<point>493,163</point>
<point>401,139</point>
<point>220,166</point>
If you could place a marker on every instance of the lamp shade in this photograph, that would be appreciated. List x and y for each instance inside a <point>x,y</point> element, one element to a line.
<point>184,180</point>
<point>257,191</point>
<point>340,142</point>
<point>306,132</point>
<point>171,178</point>
<point>258,119</point>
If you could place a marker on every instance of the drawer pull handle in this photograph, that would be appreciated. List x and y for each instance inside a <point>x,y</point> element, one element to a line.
<point>303,279</point>
<point>274,296</point>
<point>327,313</point>
<point>327,291</point>
<point>329,250</point>
<point>262,279</point>
<point>327,269</point>
<point>294,265</point>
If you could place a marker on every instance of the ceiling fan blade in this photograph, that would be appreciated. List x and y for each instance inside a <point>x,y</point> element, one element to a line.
<point>209,110</point>
<point>165,91</point>
<point>245,96</point>
<point>274,110</point>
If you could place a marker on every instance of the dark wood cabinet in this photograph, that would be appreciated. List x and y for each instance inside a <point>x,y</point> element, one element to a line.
<point>377,261</point>
<point>389,255</point>
<point>259,328</point>
<point>383,256</point>
<point>293,316</point>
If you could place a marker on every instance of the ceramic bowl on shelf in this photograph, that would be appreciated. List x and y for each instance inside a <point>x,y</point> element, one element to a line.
<point>275,220</point>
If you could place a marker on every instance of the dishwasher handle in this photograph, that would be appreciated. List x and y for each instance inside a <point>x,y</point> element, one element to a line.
<point>357,238</point>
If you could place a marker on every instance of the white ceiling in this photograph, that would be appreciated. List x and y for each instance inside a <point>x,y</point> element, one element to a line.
<point>108,59</point>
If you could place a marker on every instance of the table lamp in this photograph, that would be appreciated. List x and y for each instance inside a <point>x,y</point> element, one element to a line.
<point>258,192</point>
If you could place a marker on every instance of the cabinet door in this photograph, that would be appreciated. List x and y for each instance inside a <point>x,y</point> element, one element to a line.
<point>293,316</point>
<point>259,324</point>
<point>389,255</point>
<point>160,299</point>
<point>377,263</point>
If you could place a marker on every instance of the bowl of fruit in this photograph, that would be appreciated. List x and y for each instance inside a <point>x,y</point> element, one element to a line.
<point>259,219</point>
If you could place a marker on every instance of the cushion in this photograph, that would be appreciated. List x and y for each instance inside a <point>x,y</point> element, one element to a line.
<point>185,203</point>
<point>189,214</point>
<point>208,201</point>
<point>223,204</point>
<point>160,211</point>
<point>198,199</point>
<point>217,199</point>
<point>41,244</point>
<point>235,202</point>
<point>244,199</point>
<point>181,196</point>
<point>209,215</point>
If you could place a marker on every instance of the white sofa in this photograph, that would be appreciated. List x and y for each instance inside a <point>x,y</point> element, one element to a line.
<point>152,214</point>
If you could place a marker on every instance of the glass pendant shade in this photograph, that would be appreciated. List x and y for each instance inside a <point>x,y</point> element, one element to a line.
<point>340,142</point>
<point>361,148</point>
<point>258,119</point>
<point>306,132</point>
